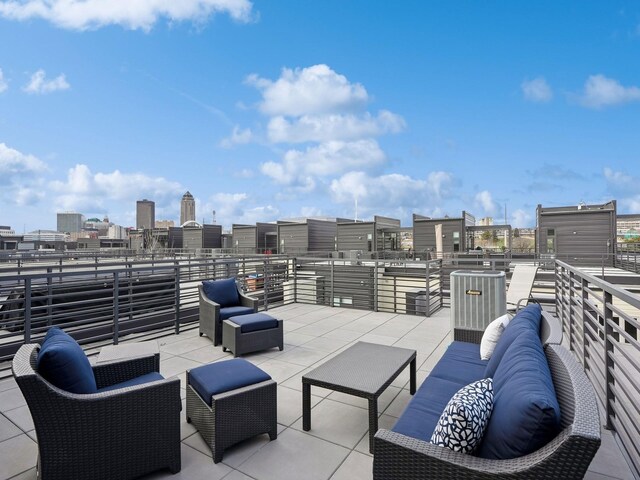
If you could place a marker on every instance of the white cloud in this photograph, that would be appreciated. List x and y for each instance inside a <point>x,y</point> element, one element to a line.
<point>14,163</point>
<point>238,137</point>
<point>626,186</point>
<point>521,219</point>
<point>39,83</point>
<point>485,201</point>
<point>537,90</point>
<point>392,192</point>
<point>237,208</point>
<point>3,83</point>
<point>132,14</point>
<point>301,168</point>
<point>322,128</point>
<point>309,91</point>
<point>600,91</point>
<point>86,191</point>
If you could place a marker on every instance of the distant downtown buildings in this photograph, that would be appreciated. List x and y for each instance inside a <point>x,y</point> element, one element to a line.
<point>187,209</point>
<point>145,214</point>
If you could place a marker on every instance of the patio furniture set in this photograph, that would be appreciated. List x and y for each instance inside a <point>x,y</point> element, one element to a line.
<point>121,419</point>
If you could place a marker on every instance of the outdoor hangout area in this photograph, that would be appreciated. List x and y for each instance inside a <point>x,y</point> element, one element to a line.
<point>332,440</point>
<point>241,380</point>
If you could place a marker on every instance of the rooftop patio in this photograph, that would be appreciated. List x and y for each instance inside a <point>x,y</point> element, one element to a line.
<point>337,445</point>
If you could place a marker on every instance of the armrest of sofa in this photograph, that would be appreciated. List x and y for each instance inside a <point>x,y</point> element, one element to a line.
<point>110,373</point>
<point>550,329</point>
<point>247,301</point>
<point>208,308</point>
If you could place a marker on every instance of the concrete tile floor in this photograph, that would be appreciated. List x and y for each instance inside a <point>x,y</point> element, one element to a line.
<point>336,448</point>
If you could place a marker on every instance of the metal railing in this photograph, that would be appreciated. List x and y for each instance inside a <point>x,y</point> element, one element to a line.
<point>600,324</point>
<point>628,256</point>
<point>100,302</point>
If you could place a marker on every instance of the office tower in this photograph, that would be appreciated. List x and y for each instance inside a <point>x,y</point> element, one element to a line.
<point>187,208</point>
<point>145,214</point>
<point>69,222</point>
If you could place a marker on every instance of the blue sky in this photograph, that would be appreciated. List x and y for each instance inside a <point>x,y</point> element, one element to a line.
<point>273,109</point>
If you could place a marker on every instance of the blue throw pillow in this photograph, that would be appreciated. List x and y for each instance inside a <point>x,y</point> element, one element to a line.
<point>527,319</point>
<point>223,292</point>
<point>465,418</point>
<point>62,362</point>
<point>526,413</point>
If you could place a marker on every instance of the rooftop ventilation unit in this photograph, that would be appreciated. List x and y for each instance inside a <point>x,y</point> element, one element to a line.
<point>477,298</point>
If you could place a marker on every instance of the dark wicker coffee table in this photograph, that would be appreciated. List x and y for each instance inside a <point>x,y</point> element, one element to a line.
<point>364,370</point>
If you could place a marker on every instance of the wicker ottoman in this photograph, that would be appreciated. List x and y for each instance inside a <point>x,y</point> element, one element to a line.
<point>231,401</point>
<point>251,333</point>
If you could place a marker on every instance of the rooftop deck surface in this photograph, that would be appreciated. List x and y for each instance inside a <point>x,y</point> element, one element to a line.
<point>336,448</point>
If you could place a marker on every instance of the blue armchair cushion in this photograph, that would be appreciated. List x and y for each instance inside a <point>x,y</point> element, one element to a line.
<point>254,322</point>
<point>62,362</point>
<point>224,376</point>
<point>229,312</point>
<point>526,412</point>
<point>461,363</point>
<point>527,319</point>
<point>224,292</point>
<point>421,416</point>
<point>146,378</point>
<point>464,419</point>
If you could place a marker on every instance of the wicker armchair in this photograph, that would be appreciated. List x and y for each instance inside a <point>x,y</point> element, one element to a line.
<point>210,321</point>
<point>122,433</point>
<point>567,456</point>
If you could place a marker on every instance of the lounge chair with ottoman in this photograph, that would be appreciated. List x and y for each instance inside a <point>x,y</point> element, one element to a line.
<point>219,300</point>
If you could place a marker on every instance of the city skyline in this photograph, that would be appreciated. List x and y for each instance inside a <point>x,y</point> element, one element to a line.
<point>282,109</point>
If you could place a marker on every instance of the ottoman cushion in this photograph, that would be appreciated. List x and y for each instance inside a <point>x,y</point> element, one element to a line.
<point>254,322</point>
<point>224,376</point>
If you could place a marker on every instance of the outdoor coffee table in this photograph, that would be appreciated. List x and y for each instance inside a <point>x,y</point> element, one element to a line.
<point>364,370</point>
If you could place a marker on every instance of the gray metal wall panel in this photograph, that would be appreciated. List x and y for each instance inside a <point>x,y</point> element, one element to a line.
<point>322,235</point>
<point>593,228</point>
<point>353,236</point>
<point>424,234</point>
<point>293,238</point>
<point>244,236</point>
<point>191,238</point>
<point>212,236</point>
<point>262,241</point>
<point>386,221</point>
<point>174,240</point>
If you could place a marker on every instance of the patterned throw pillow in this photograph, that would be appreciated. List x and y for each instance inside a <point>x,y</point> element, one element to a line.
<point>465,417</point>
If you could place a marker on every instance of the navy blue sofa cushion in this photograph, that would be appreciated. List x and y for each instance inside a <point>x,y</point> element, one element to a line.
<point>255,322</point>
<point>461,364</point>
<point>527,319</point>
<point>146,378</point>
<point>421,416</point>
<point>229,312</point>
<point>223,292</point>
<point>526,413</point>
<point>62,362</point>
<point>224,376</point>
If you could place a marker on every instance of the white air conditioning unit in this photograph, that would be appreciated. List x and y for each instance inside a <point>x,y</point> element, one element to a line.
<point>477,298</point>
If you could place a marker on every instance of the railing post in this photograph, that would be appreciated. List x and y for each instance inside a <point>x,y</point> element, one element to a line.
<point>375,287</point>
<point>177,288</point>
<point>116,307</point>
<point>27,310</point>
<point>265,302</point>
<point>295,281</point>
<point>332,273</point>
<point>49,295</point>
<point>570,294</point>
<point>428,289</point>
<point>585,297</point>
<point>608,354</point>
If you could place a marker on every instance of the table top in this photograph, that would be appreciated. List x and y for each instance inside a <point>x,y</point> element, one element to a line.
<point>364,367</point>
<point>109,353</point>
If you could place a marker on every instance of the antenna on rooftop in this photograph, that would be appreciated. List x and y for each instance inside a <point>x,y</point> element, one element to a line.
<point>214,217</point>
<point>356,200</point>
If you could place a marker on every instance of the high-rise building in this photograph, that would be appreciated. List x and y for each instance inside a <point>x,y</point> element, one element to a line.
<point>70,222</point>
<point>145,214</point>
<point>187,208</point>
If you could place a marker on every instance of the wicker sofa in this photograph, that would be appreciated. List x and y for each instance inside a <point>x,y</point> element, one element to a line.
<point>122,433</point>
<point>398,456</point>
